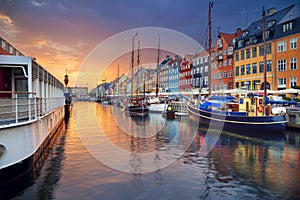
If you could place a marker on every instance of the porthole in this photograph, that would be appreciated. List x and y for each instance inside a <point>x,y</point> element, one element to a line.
<point>2,152</point>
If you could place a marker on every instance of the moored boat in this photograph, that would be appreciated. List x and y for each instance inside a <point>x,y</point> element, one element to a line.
<point>137,106</point>
<point>245,115</point>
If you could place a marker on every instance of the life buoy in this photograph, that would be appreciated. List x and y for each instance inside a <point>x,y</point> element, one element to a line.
<point>260,109</point>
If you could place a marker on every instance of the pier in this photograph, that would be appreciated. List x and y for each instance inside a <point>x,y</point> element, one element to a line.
<point>293,117</point>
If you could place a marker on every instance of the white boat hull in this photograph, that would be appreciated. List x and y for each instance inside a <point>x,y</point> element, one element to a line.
<point>24,140</point>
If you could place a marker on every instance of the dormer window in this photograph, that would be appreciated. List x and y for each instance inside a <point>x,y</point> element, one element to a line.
<point>230,50</point>
<point>245,33</point>
<point>288,26</point>
<point>219,43</point>
<point>270,23</point>
<point>240,43</point>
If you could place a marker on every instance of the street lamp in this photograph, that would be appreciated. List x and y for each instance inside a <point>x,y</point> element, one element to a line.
<point>104,88</point>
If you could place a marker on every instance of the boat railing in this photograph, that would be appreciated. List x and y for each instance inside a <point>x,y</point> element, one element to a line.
<point>179,106</point>
<point>25,107</point>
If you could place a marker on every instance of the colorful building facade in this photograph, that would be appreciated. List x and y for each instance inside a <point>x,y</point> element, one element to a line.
<point>282,52</point>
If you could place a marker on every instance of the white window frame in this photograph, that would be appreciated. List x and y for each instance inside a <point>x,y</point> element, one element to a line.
<point>293,43</point>
<point>281,65</point>
<point>281,46</point>
<point>293,81</point>
<point>293,63</point>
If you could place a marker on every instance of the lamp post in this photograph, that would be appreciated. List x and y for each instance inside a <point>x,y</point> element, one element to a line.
<point>104,88</point>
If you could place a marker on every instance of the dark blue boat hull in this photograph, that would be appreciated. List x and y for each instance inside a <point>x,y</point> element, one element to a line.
<point>137,110</point>
<point>255,124</point>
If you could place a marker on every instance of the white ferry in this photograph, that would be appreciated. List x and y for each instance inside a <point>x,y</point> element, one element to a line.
<point>31,110</point>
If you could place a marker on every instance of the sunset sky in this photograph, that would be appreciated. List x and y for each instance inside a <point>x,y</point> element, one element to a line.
<point>62,34</point>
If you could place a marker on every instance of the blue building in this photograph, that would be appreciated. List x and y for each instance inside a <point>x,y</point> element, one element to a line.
<point>173,74</point>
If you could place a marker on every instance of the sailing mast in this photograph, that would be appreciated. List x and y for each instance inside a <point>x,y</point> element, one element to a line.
<point>118,82</point>
<point>265,66</point>
<point>210,5</point>
<point>158,55</point>
<point>132,64</point>
<point>138,68</point>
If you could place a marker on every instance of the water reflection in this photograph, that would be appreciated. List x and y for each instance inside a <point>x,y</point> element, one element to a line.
<point>41,181</point>
<point>238,167</point>
<point>269,168</point>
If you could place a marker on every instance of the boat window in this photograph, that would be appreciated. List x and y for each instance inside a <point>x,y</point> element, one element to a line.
<point>241,101</point>
<point>253,101</point>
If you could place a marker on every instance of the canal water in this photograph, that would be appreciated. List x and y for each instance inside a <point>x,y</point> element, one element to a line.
<point>100,153</point>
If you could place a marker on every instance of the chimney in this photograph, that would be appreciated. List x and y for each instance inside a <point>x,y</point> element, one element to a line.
<point>238,30</point>
<point>271,11</point>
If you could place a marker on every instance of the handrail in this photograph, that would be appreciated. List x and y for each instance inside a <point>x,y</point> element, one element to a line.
<point>16,110</point>
<point>14,92</point>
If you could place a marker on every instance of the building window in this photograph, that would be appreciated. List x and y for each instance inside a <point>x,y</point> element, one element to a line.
<point>230,61</point>
<point>237,70</point>
<point>293,64</point>
<point>261,67</point>
<point>293,81</point>
<point>206,59</point>
<point>287,26</point>
<point>248,69</point>
<point>253,52</point>
<point>237,85</point>
<point>224,52</point>
<point>242,55</point>
<point>205,80</point>
<point>281,65</point>
<point>281,82</point>
<point>225,74</point>
<point>242,70</point>
<point>269,65</point>
<point>269,48</point>
<point>230,73</point>
<point>237,56</point>
<point>247,53</point>
<point>230,50</point>
<point>281,46</point>
<point>240,43</point>
<point>219,43</point>
<point>206,68</point>
<point>293,43</point>
<point>254,68</point>
<point>261,50</point>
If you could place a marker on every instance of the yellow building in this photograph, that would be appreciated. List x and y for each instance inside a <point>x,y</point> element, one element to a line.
<point>282,52</point>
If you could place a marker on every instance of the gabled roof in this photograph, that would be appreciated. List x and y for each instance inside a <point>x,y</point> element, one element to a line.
<point>202,54</point>
<point>165,61</point>
<point>227,37</point>
<point>190,57</point>
<point>255,28</point>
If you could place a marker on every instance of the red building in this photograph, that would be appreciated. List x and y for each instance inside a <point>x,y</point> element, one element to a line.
<point>222,65</point>
<point>186,75</point>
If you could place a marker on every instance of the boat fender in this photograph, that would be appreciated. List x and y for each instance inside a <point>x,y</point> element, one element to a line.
<point>260,108</point>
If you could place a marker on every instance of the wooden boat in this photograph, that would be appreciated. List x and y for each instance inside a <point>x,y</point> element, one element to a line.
<point>136,105</point>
